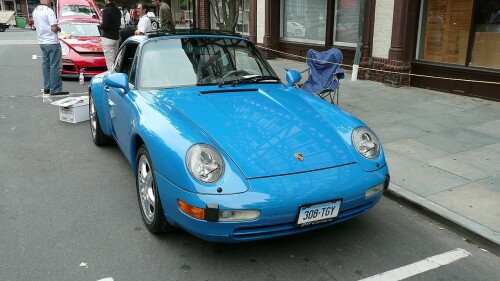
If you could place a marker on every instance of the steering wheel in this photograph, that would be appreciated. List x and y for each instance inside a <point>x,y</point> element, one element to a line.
<point>236,72</point>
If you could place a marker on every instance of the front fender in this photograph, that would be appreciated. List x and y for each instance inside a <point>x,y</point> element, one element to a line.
<point>344,123</point>
<point>168,135</point>
<point>102,108</point>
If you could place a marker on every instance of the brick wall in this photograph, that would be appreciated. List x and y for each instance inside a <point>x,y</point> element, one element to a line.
<point>391,79</point>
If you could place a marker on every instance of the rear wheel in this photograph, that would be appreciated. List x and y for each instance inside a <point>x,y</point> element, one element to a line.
<point>98,136</point>
<point>2,27</point>
<point>148,196</point>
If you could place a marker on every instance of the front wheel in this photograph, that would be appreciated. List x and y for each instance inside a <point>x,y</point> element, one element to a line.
<point>148,196</point>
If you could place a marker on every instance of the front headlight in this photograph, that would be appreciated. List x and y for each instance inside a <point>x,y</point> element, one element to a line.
<point>365,142</point>
<point>205,163</point>
<point>64,48</point>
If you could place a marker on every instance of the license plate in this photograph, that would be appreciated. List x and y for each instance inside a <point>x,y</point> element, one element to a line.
<point>318,213</point>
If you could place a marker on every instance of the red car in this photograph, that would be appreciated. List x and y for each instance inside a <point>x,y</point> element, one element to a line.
<point>81,47</point>
<point>80,38</point>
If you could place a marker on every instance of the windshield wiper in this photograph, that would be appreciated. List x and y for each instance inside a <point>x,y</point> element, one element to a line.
<point>258,78</point>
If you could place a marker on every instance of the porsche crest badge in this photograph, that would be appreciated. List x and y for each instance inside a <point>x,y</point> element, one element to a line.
<point>299,156</point>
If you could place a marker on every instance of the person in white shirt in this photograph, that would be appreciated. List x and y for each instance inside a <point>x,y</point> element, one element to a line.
<point>144,24</point>
<point>46,30</point>
<point>126,16</point>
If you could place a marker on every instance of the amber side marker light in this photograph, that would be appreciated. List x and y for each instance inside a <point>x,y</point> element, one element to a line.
<point>195,212</point>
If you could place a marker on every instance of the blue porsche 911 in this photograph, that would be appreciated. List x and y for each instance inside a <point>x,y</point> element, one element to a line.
<point>223,149</point>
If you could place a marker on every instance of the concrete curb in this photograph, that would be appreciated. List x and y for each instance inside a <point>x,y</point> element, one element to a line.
<point>457,219</point>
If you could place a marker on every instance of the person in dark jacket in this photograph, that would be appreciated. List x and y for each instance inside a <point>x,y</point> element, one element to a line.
<point>110,27</point>
<point>127,32</point>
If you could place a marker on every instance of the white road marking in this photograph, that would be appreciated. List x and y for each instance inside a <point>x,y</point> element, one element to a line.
<point>106,279</point>
<point>420,266</point>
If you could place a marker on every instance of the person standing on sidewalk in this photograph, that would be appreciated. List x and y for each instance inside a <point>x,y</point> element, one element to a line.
<point>46,31</point>
<point>144,25</point>
<point>110,27</point>
<point>166,19</point>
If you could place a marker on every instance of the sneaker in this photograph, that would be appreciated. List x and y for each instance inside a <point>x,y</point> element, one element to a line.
<point>46,91</point>
<point>59,94</point>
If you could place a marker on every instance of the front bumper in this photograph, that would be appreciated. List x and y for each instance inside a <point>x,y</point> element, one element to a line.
<point>93,64</point>
<point>278,199</point>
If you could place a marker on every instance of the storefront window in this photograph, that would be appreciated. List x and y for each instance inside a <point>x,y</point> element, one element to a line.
<point>345,32</point>
<point>304,20</point>
<point>446,25</point>
<point>446,31</point>
<point>486,46</point>
<point>243,23</point>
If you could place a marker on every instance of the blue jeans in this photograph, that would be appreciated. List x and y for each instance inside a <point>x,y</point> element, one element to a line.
<point>52,67</point>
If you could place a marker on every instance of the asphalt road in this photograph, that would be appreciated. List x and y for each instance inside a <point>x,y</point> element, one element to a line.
<point>69,211</point>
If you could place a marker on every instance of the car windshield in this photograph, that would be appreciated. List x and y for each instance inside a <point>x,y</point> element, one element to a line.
<point>177,62</point>
<point>79,29</point>
<point>77,10</point>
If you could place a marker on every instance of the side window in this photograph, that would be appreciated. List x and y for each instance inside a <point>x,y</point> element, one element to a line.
<point>118,61</point>
<point>128,60</point>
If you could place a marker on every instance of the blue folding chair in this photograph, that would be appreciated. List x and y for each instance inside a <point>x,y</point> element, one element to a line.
<point>324,74</point>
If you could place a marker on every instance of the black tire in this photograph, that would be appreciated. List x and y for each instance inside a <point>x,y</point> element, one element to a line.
<point>148,197</point>
<point>98,136</point>
<point>2,27</point>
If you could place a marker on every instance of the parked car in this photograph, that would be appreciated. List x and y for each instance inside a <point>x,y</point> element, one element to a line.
<point>31,23</point>
<point>77,8</point>
<point>81,47</point>
<point>294,29</point>
<point>223,149</point>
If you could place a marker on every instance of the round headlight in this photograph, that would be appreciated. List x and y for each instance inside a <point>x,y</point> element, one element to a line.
<point>64,48</point>
<point>365,142</point>
<point>205,163</point>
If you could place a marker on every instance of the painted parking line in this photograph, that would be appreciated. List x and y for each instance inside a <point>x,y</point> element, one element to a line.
<point>420,266</point>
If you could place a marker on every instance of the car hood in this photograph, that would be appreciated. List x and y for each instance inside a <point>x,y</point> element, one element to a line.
<point>84,44</point>
<point>265,134</point>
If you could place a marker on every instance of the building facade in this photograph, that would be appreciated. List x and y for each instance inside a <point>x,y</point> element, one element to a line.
<point>455,40</point>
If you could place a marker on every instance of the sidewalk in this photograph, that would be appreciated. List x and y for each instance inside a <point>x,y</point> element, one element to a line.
<point>443,150</point>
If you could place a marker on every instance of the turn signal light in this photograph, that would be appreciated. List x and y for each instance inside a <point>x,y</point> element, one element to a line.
<point>192,211</point>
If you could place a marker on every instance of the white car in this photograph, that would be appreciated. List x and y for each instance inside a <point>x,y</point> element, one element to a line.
<point>294,29</point>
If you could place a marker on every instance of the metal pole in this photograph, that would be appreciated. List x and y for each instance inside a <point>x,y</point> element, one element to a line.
<point>357,56</point>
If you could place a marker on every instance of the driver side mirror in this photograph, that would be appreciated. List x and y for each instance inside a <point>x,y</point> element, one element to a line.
<point>118,80</point>
<point>292,77</point>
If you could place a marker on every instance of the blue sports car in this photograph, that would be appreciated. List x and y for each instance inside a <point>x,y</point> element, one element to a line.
<point>223,149</point>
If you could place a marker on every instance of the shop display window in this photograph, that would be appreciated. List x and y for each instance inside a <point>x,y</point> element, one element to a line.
<point>304,21</point>
<point>345,32</point>
<point>447,26</point>
<point>452,33</point>
<point>486,46</point>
